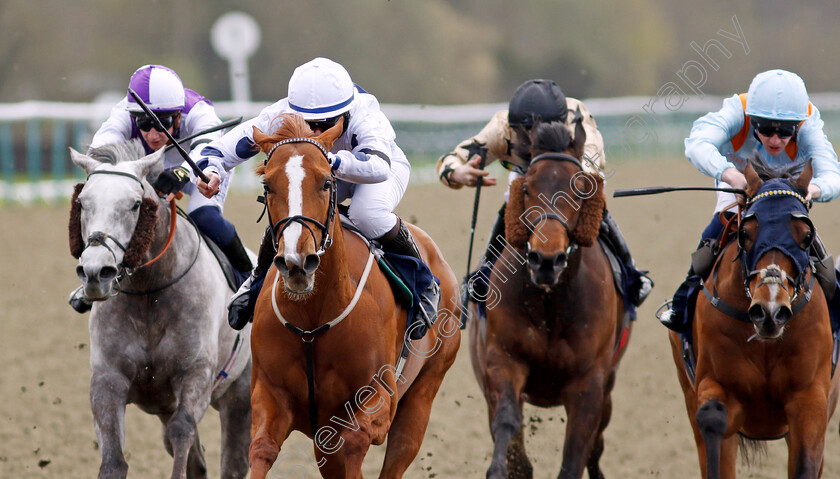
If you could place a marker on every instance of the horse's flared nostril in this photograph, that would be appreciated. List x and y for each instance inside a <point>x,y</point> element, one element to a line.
<point>107,273</point>
<point>758,313</point>
<point>280,264</point>
<point>782,315</point>
<point>310,264</point>
<point>80,272</point>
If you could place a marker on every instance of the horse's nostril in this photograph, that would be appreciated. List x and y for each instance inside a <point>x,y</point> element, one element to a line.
<point>783,315</point>
<point>560,259</point>
<point>758,313</point>
<point>80,272</point>
<point>107,273</point>
<point>534,258</point>
<point>310,264</point>
<point>280,264</point>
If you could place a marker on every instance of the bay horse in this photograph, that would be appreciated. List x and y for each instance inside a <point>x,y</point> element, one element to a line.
<point>554,319</point>
<point>327,332</point>
<point>761,339</point>
<point>159,336</point>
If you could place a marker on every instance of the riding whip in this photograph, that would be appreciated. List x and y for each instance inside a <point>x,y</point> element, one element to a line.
<point>481,151</point>
<point>160,127</point>
<point>654,190</point>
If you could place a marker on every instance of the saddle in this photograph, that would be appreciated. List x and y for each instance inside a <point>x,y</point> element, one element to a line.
<point>407,276</point>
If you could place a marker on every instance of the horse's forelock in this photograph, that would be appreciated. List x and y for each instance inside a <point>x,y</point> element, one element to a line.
<point>553,136</point>
<point>292,126</point>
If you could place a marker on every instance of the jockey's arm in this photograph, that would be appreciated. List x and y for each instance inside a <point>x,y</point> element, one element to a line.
<point>461,166</point>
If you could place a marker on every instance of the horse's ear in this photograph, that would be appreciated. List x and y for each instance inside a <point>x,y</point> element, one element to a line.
<point>580,134</point>
<point>259,137</point>
<point>83,161</point>
<point>804,178</point>
<point>328,137</point>
<point>150,165</point>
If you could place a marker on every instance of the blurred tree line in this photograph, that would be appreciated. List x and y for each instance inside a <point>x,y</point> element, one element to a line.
<point>418,51</point>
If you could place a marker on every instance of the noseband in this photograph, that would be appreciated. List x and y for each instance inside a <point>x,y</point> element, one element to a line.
<point>280,226</point>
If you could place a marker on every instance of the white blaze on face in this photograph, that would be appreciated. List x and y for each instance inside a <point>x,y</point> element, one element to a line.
<point>295,173</point>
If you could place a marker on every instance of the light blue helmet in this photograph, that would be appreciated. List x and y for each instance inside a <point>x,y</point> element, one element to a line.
<point>777,95</point>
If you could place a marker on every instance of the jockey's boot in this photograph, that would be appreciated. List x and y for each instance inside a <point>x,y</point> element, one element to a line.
<point>79,301</point>
<point>641,288</point>
<point>672,313</point>
<point>824,265</point>
<point>241,304</point>
<point>400,241</point>
<point>238,257</point>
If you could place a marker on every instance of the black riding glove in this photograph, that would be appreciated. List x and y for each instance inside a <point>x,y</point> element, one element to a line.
<point>172,181</point>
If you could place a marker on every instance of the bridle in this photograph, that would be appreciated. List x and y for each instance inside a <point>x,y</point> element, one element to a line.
<point>280,226</point>
<point>543,215</point>
<point>772,274</point>
<point>99,238</point>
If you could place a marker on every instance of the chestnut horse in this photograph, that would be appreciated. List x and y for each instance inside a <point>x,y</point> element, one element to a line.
<point>327,331</point>
<point>555,320</point>
<point>762,337</point>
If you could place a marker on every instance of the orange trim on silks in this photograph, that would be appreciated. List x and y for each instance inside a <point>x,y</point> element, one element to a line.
<point>738,140</point>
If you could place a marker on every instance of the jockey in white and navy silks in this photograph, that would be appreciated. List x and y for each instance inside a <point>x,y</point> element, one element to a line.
<point>183,112</point>
<point>776,119</point>
<point>369,166</point>
<point>366,160</point>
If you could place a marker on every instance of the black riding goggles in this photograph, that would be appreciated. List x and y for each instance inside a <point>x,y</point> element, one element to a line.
<point>145,123</point>
<point>323,125</point>
<point>765,127</point>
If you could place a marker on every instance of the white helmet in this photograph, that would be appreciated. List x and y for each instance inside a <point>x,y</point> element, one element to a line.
<point>777,95</point>
<point>321,89</point>
<point>159,88</point>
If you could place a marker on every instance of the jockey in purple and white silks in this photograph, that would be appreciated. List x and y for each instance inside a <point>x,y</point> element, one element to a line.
<point>776,120</point>
<point>369,166</point>
<point>184,113</point>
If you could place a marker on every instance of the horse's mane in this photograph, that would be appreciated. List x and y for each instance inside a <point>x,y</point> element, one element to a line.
<point>114,153</point>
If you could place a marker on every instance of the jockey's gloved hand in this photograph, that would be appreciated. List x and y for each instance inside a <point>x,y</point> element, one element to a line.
<point>333,160</point>
<point>172,181</point>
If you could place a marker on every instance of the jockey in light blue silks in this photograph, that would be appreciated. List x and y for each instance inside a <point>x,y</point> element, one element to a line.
<point>369,166</point>
<point>184,113</point>
<point>775,119</point>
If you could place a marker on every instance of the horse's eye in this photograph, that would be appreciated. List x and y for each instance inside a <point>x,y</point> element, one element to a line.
<point>136,206</point>
<point>525,190</point>
<point>327,185</point>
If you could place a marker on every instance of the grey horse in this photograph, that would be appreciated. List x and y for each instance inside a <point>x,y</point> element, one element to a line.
<point>158,332</point>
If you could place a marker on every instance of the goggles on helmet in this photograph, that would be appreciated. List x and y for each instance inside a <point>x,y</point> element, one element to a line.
<point>146,123</point>
<point>769,127</point>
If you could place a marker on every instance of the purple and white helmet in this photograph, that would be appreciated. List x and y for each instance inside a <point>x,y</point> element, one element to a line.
<point>159,87</point>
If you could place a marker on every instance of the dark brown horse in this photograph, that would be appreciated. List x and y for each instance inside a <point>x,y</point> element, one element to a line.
<point>327,331</point>
<point>554,322</point>
<point>763,349</point>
